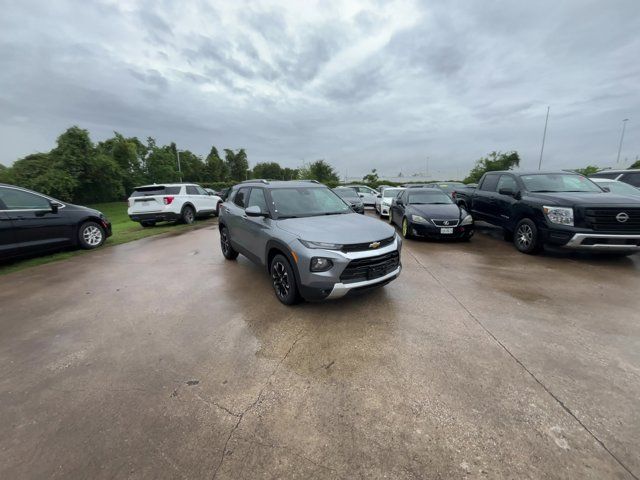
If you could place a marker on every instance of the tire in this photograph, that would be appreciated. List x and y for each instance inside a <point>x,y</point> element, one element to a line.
<point>188,215</point>
<point>148,223</point>
<point>391,219</point>
<point>283,280</point>
<point>218,209</point>
<point>406,232</point>
<point>526,237</point>
<point>91,235</point>
<point>225,245</point>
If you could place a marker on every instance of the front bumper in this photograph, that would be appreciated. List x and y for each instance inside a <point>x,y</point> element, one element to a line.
<point>604,242</point>
<point>384,210</point>
<point>431,231</point>
<point>341,289</point>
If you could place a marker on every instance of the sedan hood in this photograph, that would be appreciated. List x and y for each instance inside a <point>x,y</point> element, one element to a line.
<point>435,211</point>
<point>345,228</point>
<point>584,199</point>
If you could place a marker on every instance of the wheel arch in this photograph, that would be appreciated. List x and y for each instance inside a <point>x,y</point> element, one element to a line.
<point>275,247</point>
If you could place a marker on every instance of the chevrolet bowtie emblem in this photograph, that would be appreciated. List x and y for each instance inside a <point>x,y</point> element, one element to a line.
<point>374,245</point>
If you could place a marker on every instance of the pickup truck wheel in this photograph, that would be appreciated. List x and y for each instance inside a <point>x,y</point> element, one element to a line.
<point>406,232</point>
<point>284,280</point>
<point>188,215</point>
<point>225,245</point>
<point>526,238</point>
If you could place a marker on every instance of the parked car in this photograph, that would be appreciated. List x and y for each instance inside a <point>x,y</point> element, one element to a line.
<point>382,187</point>
<point>461,194</point>
<point>447,187</point>
<point>31,222</point>
<point>383,202</point>
<point>171,202</point>
<point>367,194</point>
<point>430,213</point>
<point>310,241</point>
<point>350,196</point>
<point>616,186</point>
<point>556,208</point>
<point>631,176</point>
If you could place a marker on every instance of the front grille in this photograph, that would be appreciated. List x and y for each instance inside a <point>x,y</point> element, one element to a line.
<point>371,267</point>
<point>446,222</point>
<point>604,219</point>
<point>360,247</point>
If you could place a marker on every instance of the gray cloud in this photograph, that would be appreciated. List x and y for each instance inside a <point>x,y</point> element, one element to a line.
<point>384,87</point>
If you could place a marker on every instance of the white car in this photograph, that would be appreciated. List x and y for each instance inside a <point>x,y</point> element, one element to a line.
<point>367,194</point>
<point>171,202</point>
<point>383,203</point>
<point>617,187</point>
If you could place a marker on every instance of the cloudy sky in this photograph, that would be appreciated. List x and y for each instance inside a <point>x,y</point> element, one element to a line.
<point>363,84</point>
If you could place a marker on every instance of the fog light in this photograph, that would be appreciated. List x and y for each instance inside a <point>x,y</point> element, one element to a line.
<point>320,264</point>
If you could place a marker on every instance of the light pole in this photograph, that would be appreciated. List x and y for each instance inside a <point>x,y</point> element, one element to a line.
<point>624,125</point>
<point>179,169</point>
<point>544,136</point>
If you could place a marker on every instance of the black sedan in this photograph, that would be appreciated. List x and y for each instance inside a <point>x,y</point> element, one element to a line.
<point>350,195</point>
<point>430,213</point>
<point>31,222</point>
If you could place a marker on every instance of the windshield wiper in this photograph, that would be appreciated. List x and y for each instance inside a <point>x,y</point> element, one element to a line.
<point>544,191</point>
<point>284,217</point>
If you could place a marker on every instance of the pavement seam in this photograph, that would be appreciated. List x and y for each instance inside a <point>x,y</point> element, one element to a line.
<point>524,367</point>
<point>299,337</point>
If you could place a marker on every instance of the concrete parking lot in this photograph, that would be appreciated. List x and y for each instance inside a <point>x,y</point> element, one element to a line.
<point>159,359</point>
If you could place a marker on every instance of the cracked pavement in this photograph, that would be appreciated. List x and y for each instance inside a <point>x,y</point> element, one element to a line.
<point>147,360</point>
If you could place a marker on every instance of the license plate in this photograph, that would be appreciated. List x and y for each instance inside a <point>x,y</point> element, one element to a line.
<point>444,231</point>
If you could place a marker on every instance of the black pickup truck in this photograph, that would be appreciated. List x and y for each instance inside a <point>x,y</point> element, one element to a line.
<point>555,208</point>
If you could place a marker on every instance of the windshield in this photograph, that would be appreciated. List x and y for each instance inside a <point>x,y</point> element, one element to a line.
<point>349,193</point>
<point>620,188</point>
<point>432,197</point>
<point>307,202</point>
<point>559,182</point>
<point>390,192</point>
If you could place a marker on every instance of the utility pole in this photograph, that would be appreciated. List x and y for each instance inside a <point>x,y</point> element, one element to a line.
<point>544,136</point>
<point>624,125</point>
<point>179,169</point>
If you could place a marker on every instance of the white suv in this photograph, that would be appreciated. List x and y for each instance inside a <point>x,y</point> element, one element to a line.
<point>171,202</point>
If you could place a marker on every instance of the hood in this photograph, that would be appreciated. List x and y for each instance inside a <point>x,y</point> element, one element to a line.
<point>582,199</point>
<point>80,208</point>
<point>345,228</point>
<point>435,211</point>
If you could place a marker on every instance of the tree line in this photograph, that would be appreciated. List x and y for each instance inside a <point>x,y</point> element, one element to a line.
<point>79,170</point>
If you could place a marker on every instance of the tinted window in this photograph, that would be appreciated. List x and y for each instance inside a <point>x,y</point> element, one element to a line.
<point>240,198</point>
<point>431,196</point>
<point>307,202</point>
<point>201,191</point>
<point>155,190</point>
<point>507,181</point>
<point>559,182</point>
<point>632,179</point>
<point>257,199</point>
<point>20,200</point>
<point>490,183</point>
<point>191,190</point>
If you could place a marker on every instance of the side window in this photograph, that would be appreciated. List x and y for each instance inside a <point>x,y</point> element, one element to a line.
<point>489,183</point>
<point>20,200</point>
<point>201,191</point>
<point>191,190</point>
<point>241,197</point>
<point>507,181</point>
<point>404,197</point>
<point>257,198</point>
<point>632,179</point>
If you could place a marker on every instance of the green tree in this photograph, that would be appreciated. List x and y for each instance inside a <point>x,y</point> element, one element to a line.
<point>320,171</point>
<point>129,154</point>
<point>215,169</point>
<point>491,163</point>
<point>290,173</point>
<point>371,178</point>
<point>237,164</point>
<point>636,164</point>
<point>588,170</point>
<point>161,163</point>
<point>268,170</point>
<point>192,166</point>
<point>39,172</point>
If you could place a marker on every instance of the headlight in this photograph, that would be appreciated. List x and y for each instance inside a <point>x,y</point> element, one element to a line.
<point>419,219</point>
<point>321,264</point>
<point>559,215</point>
<point>321,245</point>
<point>468,220</point>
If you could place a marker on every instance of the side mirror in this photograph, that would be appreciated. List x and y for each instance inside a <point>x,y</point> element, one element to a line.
<point>379,195</point>
<point>254,211</point>
<point>54,207</point>
<point>507,191</point>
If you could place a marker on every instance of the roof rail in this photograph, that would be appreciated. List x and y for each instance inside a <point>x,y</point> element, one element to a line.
<point>312,181</point>
<point>256,180</point>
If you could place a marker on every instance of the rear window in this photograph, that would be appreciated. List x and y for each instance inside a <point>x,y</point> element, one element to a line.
<point>155,190</point>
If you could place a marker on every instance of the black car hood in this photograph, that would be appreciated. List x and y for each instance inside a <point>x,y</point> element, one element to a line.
<point>429,211</point>
<point>578,198</point>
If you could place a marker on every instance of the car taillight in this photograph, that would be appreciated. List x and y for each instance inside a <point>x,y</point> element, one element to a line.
<point>167,200</point>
